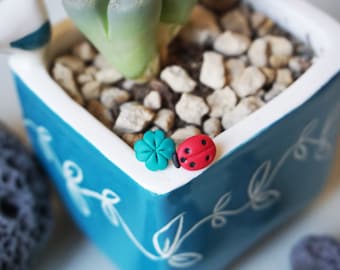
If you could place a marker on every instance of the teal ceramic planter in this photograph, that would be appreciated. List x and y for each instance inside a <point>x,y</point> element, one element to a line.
<point>268,167</point>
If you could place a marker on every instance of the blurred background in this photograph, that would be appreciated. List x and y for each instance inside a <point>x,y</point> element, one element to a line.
<point>69,250</point>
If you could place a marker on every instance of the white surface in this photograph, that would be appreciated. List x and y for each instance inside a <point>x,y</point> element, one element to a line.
<point>69,250</point>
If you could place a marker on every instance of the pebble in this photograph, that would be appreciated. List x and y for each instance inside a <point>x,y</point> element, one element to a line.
<point>101,113</point>
<point>236,22</point>
<point>178,79</point>
<point>133,118</point>
<point>284,77</point>
<point>202,27</point>
<point>213,71</point>
<point>91,71</point>
<point>243,109</point>
<point>84,78</point>
<point>114,96</point>
<point>165,119</point>
<point>278,61</point>
<point>298,65</point>
<point>182,134</point>
<point>232,44</point>
<point>108,76</point>
<point>280,46</point>
<point>235,67</point>
<point>270,74</point>
<point>221,101</point>
<point>191,109</point>
<point>153,100</point>
<point>101,63</point>
<point>131,138</point>
<point>212,127</point>
<point>74,63</point>
<point>276,90</point>
<point>266,27</point>
<point>84,51</point>
<point>250,81</point>
<point>91,90</point>
<point>257,19</point>
<point>64,76</point>
<point>258,53</point>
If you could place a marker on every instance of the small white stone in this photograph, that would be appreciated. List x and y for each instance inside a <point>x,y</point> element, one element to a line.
<point>257,19</point>
<point>91,90</point>
<point>178,79</point>
<point>84,51</point>
<point>72,62</point>
<point>101,63</point>
<point>131,138</point>
<point>84,78</point>
<point>284,77</point>
<point>232,44</point>
<point>212,127</point>
<point>133,118</point>
<point>108,76</point>
<point>165,119</point>
<point>91,70</point>
<point>103,114</point>
<point>182,134</point>
<point>270,74</point>
<point>279,61</point>
<point>242,110</point>
<point>64,76</point>
<point>202,27</point>
<point>153,100</point>
<point>298,65</point>
<point>221,101</point>
<point>235,21</point>
<point>191,108</point>
<point>276,90</point>
<point>111,97</point>
<point>280,46</point>
<point>235,67</point>
<point>250,81</point>
<point>128,84</point>
<point>212,71</point>
<point>258,53</point>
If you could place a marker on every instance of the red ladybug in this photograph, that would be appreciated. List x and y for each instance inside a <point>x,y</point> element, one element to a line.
<point>195,153</point>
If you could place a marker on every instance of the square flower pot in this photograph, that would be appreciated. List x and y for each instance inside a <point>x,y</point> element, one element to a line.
<point>268,167</point>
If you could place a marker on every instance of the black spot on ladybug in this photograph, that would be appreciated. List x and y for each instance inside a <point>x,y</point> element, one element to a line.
<point>192,164</point>
<point>207,158</point>
<point>187,150</point>
<point>204,142</point>
<point>183,159</point>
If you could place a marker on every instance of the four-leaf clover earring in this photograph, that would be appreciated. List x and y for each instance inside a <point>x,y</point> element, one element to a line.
<point>155,150</point>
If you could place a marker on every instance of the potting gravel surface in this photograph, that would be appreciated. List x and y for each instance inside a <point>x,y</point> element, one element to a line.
<point>220,69</point>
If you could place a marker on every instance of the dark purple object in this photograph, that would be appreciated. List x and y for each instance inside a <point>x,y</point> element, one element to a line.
<point>25,213</point>
<point>316,253</point>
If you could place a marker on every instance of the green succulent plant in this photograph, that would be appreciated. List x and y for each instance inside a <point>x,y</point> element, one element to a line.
<point>131,34</point>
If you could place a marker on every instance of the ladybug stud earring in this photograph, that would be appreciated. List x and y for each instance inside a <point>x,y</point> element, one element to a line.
<point>195,153</point>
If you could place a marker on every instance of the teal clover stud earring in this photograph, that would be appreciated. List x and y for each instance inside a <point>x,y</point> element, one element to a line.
<point>155,149</point>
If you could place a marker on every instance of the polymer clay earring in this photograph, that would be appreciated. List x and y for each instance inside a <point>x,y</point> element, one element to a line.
<point>195,153</point>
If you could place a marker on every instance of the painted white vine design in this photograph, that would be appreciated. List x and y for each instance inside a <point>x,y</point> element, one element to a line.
<point>260,193</point>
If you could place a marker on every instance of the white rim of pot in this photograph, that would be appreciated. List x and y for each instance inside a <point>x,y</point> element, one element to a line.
<point>298,17</point>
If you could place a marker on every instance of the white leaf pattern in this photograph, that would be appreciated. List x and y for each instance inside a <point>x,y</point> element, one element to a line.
<point>169,245</point>
<point>185,260</point>
<point>169,239</point>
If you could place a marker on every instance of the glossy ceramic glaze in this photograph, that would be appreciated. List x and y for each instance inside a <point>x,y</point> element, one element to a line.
<point>268,167</point>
